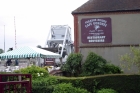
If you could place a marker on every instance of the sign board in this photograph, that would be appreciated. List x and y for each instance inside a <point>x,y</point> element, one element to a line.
<point>50,61</point>
<point>96,30</point>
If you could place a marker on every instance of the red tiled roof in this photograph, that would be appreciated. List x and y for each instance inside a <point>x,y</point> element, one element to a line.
<point>95,6</point>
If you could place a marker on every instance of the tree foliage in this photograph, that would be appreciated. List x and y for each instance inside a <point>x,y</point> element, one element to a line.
<point>112,69</point>
<point>94,65</point>
<point>73,64</point>
<point>132,58</point>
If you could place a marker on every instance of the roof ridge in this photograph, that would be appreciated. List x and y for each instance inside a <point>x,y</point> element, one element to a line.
<point>96,6</point>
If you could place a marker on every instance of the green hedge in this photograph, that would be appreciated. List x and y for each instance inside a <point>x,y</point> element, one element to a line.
<point>68,88</point>
<point>44,85</point>
<point>35,71</point>
<point>107,91</point>
<point>119,82</point>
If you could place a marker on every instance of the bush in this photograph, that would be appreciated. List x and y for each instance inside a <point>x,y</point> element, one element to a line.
<point>96,65</point>
<point>130,59</point>
<point>35,71</point>
<point>73,64</point>
<point>119,82</point>
<point>107,91</point>
<point>93,65</point>
<point>68,88</point>
<point>44,85</point>
<point>112,69</point>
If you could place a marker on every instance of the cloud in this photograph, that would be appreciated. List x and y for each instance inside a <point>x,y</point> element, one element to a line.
<point>33,19</point>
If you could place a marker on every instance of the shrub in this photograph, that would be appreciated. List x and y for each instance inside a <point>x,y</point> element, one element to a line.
<point>73,64</point>
<point>44,85</point>
<point>35,71</point>
<point>93,65</point>
<point>112,69</point>
<point>107,91</point>
<point>68,88</point>
<point>120,82</point>
<point>130,59</point>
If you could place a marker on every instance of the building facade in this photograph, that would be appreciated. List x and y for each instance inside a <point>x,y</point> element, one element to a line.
<point>108,28</point>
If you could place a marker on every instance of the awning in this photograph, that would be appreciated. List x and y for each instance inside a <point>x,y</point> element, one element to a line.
<point>28,52</point>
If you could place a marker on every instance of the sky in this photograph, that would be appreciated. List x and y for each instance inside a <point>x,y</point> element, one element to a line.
<point>32,19</point>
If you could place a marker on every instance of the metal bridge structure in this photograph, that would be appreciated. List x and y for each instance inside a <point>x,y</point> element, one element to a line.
<point>59,39</point>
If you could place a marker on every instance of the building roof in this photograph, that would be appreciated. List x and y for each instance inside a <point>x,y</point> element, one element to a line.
<point>95,6</point>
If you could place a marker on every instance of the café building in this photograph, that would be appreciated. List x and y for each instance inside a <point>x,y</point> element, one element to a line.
<point>108,28</point>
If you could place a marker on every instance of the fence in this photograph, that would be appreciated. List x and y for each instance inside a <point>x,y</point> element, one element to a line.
<point>15,83</point>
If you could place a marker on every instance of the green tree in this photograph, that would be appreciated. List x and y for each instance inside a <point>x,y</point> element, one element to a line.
<point>73,64</point>
<point>93,65</point>
<point>1,51</point>
<point>132,58</point>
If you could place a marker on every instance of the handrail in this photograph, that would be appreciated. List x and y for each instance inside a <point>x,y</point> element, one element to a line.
<point>6,86</point>
<point>13,78</point>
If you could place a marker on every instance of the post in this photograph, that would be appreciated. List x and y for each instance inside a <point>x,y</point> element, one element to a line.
<point>4,38</point>
<point>15,33</point>
<point>1,88</point>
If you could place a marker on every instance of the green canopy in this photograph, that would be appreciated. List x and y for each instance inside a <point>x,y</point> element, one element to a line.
<point>26,52</point>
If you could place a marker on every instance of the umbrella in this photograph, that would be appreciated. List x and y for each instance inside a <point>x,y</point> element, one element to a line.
<point>27,52</point>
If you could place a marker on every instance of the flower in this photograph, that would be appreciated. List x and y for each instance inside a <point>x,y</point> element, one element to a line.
<point>41,73</point>
<point>38,74</point>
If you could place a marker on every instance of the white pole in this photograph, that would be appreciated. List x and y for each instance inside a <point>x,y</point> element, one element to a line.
<point>4,39</point>
<point>15,33</point>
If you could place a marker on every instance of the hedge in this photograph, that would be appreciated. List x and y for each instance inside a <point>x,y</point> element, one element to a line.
<point>122,83</point>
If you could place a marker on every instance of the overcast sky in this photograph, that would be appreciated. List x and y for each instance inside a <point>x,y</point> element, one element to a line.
<point>33,19</point>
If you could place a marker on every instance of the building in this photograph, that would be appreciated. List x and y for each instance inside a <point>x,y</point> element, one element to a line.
<point>108,28</point>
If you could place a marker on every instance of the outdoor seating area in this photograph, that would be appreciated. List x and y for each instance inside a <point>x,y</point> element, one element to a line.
<point>10,68</point>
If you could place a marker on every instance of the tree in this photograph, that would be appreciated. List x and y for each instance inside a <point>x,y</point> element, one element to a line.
<point>1,51</point>
<point>73,64</point>
<point>132,58</point>
<point>93,65</point>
